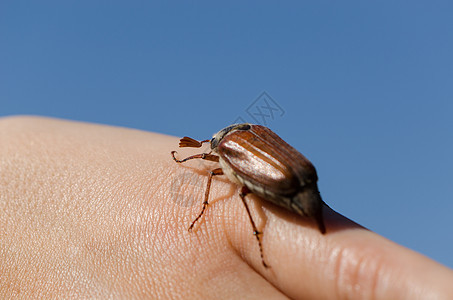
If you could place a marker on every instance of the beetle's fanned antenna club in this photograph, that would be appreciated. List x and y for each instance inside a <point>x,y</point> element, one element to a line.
<point>190,142</point>
<point>264,165</point>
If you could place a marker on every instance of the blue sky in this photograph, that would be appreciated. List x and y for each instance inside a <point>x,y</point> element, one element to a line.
<point>364,89</point>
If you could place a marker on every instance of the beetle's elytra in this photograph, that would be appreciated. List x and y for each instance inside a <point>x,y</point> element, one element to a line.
<point>263,164</point>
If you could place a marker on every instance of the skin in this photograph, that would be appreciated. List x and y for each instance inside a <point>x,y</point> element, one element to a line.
<point>92,211</point>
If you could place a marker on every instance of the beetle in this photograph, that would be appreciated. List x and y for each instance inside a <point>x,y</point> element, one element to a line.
<point>260,162</point>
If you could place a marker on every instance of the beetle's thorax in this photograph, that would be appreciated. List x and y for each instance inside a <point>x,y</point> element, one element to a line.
<point>218,137</point>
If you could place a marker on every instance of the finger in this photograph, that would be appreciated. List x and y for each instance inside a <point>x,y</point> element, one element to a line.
<point>347,262</point>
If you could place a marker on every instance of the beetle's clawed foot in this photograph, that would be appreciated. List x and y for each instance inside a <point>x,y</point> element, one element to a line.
<point>174,157</point>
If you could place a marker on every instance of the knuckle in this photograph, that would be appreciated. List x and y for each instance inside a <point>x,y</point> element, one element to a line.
<point>358,274</point>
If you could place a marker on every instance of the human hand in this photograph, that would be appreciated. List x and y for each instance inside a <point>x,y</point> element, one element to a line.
<point>91,211</point>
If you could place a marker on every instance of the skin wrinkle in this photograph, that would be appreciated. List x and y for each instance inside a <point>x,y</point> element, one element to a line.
<point>209,225</point>
<point>229,217</point>
<point>160,251</point>
<point>239,220</point>
<point>376,272</point>
<point>356,282</point>
<point>143,229</point>
<point>378,278</point>
<point>26,242</point>
<point>240,251</point>
<point>357,274</point>
<point>104,194</point>
<point>170,240</point>
<point>343,275</point>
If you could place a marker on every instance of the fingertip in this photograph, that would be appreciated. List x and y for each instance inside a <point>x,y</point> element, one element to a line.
<point>347,261</point>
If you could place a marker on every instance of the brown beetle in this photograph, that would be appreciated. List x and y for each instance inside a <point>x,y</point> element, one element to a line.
<point>263,164</point>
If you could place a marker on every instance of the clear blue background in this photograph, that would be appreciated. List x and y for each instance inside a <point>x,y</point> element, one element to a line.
<point>366,88</point>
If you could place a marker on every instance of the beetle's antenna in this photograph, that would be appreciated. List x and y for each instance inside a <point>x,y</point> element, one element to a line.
<point>190,142</point>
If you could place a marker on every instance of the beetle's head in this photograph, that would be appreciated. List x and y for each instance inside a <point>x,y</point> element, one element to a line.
<point>218,137</point>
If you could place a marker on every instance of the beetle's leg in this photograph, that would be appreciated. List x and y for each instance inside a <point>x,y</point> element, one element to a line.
<point>205,156</point>
<point>244,191</point>
<point>214,172</point>
<point>190,142</point>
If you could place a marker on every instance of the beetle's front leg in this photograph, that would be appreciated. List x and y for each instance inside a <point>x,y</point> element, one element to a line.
<point>214,172</point>
<point>206,156</point>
